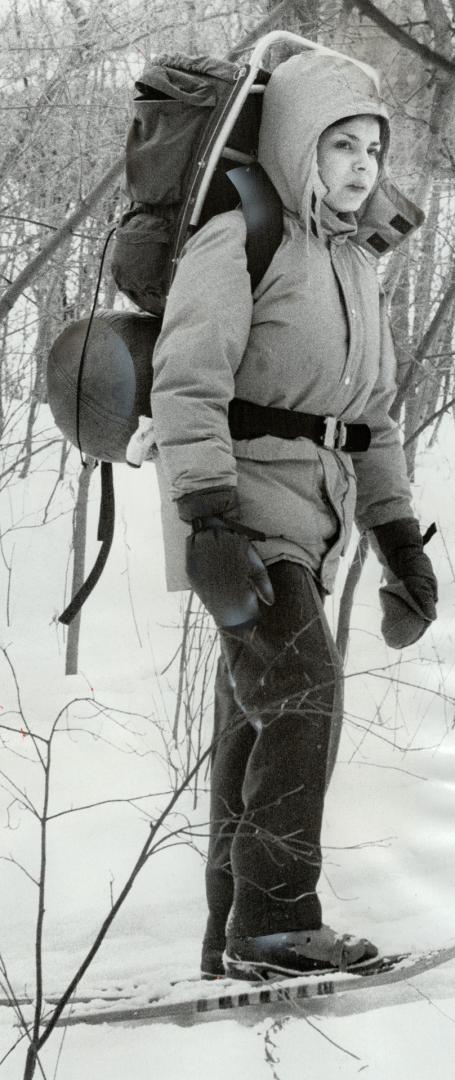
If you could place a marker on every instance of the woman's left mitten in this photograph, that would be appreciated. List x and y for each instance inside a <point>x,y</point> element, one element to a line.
<point>408,600</point>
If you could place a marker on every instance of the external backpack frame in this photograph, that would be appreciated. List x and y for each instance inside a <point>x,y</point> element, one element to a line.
<point>184,104</point>
<point>117,347</point>
<point>195,118</point>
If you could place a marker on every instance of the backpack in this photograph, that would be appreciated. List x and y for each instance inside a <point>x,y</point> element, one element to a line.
<point>194,118</point>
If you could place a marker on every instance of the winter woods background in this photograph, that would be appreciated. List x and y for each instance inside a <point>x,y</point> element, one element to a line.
<point>68,72</point>
<point>139,664</point>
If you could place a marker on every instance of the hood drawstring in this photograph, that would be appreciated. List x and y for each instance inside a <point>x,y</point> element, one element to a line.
<point>318,191</point>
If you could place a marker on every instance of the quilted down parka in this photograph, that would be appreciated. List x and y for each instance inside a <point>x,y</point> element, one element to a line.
<point>314,337</point>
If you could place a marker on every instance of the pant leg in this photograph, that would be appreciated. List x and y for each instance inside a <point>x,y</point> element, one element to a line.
<point>288,682</point>
<point>233,739</point>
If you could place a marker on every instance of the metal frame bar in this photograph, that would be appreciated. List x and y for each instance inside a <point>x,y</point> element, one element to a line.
<point>254,66</point>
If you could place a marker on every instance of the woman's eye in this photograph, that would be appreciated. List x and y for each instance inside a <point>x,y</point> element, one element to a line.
<point>343,144</point>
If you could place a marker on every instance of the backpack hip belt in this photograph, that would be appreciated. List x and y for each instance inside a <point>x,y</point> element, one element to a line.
<point>250,421</point>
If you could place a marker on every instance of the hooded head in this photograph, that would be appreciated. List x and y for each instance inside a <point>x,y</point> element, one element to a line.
<point>304,96</point>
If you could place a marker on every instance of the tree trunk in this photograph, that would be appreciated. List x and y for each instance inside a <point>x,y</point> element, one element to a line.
<point>415,396</point>
<point>30,1063</point>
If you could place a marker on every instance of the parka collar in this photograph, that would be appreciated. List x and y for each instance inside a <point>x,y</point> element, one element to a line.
<point>336,228</point>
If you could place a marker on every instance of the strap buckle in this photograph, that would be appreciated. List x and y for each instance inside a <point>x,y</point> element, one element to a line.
<point>334,434</point>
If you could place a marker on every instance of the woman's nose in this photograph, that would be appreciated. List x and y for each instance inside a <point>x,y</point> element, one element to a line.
<point>362,160</point>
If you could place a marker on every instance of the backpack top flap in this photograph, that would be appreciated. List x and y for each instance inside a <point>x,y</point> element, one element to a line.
<point>183,73</point>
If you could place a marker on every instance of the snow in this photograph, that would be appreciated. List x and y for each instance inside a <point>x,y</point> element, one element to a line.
<point>388,835</point>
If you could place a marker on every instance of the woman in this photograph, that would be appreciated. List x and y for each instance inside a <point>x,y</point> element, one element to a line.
<point>266,497</point>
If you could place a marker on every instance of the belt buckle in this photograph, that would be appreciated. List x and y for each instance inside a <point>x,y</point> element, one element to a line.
<point>335,433</point>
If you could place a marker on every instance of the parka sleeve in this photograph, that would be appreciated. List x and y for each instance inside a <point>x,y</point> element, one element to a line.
<point>204,336</point>
<point>383,488</point>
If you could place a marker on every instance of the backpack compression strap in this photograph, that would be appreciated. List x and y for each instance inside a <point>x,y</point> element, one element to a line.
<point>105,535</point>
<point>263,212</point>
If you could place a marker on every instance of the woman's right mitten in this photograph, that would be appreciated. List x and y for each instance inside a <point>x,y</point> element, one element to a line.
<point>223,567</point>
<point>228,575</point>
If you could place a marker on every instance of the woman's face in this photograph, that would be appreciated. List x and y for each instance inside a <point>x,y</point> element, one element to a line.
<point>348,161</point>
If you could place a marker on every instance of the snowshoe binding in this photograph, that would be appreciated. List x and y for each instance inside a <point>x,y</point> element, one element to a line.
<point>296,953</point>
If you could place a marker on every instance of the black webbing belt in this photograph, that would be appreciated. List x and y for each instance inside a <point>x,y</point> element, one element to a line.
<point>250,421</point>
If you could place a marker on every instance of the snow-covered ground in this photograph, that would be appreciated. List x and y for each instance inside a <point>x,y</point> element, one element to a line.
<point>388,837</point>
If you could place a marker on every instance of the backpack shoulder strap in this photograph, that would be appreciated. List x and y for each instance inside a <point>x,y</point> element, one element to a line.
<point>263,211</point>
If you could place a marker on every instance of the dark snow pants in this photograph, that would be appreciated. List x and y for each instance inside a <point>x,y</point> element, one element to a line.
<point>278,708</point>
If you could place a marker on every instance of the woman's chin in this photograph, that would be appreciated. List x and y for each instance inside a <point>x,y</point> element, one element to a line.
<point>347,204</point>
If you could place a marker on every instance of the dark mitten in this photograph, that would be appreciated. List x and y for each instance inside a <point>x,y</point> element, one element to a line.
<point>409,598</point>
<point>223,567</point>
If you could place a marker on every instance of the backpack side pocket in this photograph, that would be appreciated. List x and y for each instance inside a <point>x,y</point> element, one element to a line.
<point>140,258</point>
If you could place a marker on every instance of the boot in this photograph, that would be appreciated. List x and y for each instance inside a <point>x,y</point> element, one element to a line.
<point>297,952</point>
<point>212,966</point>
<point>214,943</point>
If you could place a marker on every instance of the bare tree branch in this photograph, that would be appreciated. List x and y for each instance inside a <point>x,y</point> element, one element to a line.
<point>440,23</point>
<point>20,706</point>
<point>15,862</point>
<point>269,22</point>
<point>18,1010</point>
<point>434,416</point>
<point>429,338</point>
<point>27,276</point>
<point>13,468</point>
<point>429,56</point>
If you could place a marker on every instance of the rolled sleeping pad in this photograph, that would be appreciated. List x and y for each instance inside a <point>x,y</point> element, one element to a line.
<point>116,380</point>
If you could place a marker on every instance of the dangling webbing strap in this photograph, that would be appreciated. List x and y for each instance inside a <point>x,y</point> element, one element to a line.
<point>105,535</point>
<point>107,507</point>
<point>429,533</point>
